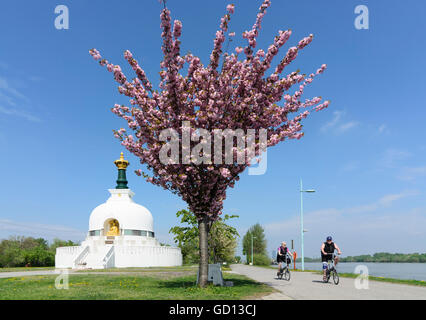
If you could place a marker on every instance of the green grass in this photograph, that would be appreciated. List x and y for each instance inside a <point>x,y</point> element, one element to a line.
<point>144,269</point>
<point>118,287</point>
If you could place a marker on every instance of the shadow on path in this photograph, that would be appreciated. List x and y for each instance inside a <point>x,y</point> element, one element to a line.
<point>320,281</point>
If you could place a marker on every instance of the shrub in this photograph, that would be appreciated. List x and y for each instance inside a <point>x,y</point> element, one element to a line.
<point>259,259</point>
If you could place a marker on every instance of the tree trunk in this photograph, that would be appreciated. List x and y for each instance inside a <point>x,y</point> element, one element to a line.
<point>203,231</point>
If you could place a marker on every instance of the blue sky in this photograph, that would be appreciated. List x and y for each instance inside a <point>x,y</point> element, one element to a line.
<point>365,155</point>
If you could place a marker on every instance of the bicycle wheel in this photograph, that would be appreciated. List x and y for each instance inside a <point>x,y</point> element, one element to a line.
<point>280,276</point>
<point>335,277</point>
<point>327,276</point>
<point>287,275</point>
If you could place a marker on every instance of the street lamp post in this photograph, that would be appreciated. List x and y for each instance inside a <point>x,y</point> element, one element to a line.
<point>252,249</point>
<point>302,230</point>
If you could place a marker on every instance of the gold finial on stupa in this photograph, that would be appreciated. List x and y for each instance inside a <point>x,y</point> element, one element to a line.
<point>121,163</point>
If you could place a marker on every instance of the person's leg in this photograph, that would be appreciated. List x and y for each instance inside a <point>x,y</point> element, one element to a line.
<point>324,268</point>
<point>336,260</point>
<point>279,268</point>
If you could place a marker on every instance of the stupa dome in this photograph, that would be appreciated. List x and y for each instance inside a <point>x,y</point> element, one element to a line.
<point>121,207</point>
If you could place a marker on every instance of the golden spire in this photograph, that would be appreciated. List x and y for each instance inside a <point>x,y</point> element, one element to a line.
<point>121,163</point>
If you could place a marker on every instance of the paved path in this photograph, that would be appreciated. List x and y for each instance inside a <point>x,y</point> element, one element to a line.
<point>17,274</point>
<point>309,286</point>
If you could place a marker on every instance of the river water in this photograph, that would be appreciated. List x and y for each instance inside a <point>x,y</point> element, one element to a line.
<point>410,271</point>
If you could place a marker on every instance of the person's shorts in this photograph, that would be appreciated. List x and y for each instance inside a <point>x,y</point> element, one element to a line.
<point>281,259</point>
<point>326,258</point>
<point>284,259</point>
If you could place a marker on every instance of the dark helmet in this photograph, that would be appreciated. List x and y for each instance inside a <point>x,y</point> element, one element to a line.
<point>329,238</point>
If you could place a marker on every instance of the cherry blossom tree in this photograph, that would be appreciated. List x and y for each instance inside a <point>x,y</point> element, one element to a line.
<point>234,91</point>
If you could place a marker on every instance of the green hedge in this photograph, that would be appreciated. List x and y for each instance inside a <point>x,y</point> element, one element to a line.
<point>28,251</point>
<point>259,259</point>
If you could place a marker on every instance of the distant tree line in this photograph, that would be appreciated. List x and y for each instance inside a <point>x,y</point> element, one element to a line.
<point>309,259</point>
<point>387,257</point>
<point>379,257</point>
<point>21,251</point>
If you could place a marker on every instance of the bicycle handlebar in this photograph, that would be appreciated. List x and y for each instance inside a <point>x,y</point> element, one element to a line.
<point>333,253</point>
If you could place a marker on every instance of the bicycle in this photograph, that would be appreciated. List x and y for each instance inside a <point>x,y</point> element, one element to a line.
<point>284,271</point>
<point>332,271</point>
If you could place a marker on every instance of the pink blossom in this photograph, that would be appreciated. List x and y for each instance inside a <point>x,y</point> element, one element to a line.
<point>230,8</point>
<point>95,54</point>
<point>234,95</point>
<point>304,42</point>
<point>225,172</point>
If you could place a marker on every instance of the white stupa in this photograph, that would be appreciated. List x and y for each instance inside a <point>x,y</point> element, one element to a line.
<point>121,234</point>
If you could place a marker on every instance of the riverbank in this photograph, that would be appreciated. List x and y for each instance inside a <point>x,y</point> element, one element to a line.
<point>379,257</point>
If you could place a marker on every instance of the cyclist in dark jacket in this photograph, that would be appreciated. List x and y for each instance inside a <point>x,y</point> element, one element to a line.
<point>327,250</point>
<point>282,252</point>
